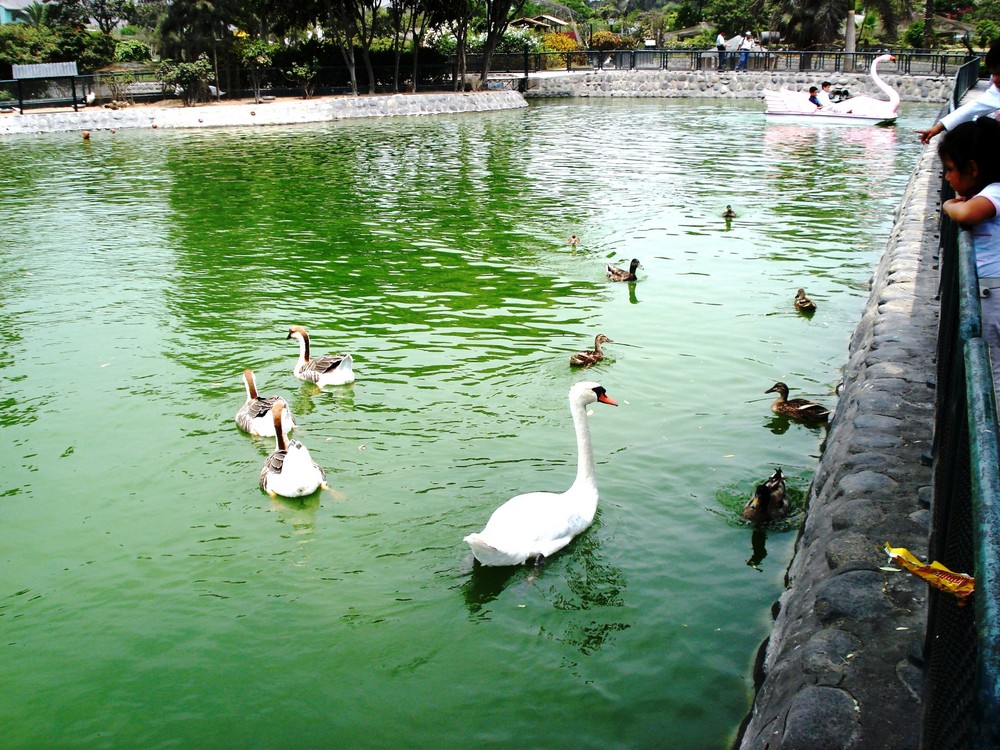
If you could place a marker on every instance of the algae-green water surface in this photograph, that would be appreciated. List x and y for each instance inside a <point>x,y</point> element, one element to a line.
<point>151,596</point>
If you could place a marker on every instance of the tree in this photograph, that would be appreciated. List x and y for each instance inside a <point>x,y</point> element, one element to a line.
<point>37,14</point>
<point>257,55</point>
<point>499,14</point>
<point>106,13</point>
<point>190,28</point>
<point>22,44</point>
<point>190,78</point>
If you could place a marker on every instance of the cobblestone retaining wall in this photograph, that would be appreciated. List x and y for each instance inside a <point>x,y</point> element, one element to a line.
<point>842,669</point>
<point>729,85</point>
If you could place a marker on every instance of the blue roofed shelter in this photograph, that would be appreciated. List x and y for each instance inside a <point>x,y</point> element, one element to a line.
<point>47,71</point>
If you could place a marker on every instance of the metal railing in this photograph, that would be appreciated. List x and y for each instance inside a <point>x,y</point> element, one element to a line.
<point>906,63</point>
<point>962,647</point>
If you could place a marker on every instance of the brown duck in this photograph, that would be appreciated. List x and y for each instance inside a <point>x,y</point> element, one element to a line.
<point>620,274</point>
<point>591,356</point>
<point>799,409</point>
<point>803,303</point>
<point>769,501</point>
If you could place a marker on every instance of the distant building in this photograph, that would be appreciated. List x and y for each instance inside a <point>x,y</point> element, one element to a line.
<point>542,23</point>
<point>13,11</point>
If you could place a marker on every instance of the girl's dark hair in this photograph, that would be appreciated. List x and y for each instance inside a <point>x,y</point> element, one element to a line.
<point>977,141</point>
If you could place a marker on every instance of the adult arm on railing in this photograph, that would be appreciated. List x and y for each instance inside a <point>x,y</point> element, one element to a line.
<point>985,104</point>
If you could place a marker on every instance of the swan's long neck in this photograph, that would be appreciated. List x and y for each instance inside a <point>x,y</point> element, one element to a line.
<point>585,455</point>
<point>889,90</point>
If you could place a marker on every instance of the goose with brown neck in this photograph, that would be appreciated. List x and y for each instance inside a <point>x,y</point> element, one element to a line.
<point>255,415</point>
<point>333,369</point>
<point>289,471</point>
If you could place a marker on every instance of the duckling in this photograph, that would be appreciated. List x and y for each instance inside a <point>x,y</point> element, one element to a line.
<point>333,369</point>
<point>769,501</point>
<point>803,303</point>
<point>729,213</point>
<point>255,415</point>
<point>593,356</point>
<point>797,408</point>
<point>290,470</point>
<point>620,274</point>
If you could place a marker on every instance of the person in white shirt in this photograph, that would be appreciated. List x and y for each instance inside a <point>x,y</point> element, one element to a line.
<point>824,94</point>
<point>988,102</point>
<point>746,44</point>
<point>970,155</point>
<point>720,45</point>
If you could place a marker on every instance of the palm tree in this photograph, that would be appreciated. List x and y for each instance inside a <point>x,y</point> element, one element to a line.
<point>37,14</point>
<point>810,23</point>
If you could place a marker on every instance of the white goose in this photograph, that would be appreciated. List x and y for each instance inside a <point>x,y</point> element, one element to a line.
<point>290,470</point>
<point>333,369</point>
<point>539,524</point>
<point>255,415</point>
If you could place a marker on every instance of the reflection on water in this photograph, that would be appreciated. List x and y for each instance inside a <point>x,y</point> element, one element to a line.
<point>758,544</point>
<point>136,288</point>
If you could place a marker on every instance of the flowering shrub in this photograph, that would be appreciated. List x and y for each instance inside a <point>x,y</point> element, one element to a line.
<point>606,40</point>
<point>515,40</point>
<point>560,43</point>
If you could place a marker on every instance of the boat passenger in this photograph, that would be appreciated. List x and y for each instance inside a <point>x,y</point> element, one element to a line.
<point>812,97</point>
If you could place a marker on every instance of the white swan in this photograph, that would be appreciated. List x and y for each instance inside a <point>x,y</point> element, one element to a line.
<point>333,369</point>
<point>868,106</point>
<point>255,415</point>
<point>538,524</point>
<point>290,470</point>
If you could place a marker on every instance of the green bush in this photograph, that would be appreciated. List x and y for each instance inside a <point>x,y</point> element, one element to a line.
<point>192,78</point>
<point>132,50</point>
<point>914,34</point>
<point>986,32</point>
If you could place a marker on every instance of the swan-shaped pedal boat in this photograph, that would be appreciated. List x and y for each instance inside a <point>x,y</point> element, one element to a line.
<point>255,415</point>
<point>290,470</point>
<point>536,525</point>
<point>333,369</point>
<point>794,107</point>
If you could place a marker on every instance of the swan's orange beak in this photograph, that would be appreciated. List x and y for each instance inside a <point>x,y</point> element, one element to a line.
<point>606,399</point>
<point>892,58</point>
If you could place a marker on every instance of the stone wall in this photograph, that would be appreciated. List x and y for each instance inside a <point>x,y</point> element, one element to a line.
<point>278,112</point>
<point>728,85</point>
<point>842,669</point>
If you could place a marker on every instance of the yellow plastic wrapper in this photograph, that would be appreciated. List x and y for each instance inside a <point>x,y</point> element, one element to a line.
<point>936,574</point>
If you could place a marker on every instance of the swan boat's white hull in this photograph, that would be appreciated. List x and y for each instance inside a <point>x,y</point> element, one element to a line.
<point>826,118</point>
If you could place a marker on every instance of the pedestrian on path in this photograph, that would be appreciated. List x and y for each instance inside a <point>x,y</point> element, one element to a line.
<point>746,44</point>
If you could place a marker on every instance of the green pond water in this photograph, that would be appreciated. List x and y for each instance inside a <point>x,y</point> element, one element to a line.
<point>151,596</point>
